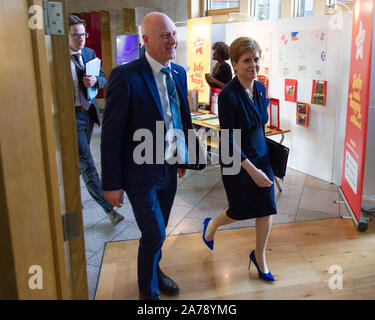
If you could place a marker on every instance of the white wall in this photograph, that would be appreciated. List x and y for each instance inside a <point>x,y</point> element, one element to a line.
<point>218,34</point>
<point>177,10</point>
<point>181,53</point>
<point>318,149</point>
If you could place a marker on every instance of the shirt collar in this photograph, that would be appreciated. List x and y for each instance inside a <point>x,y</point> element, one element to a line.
<point>155,65</point>
<point>74,52</point>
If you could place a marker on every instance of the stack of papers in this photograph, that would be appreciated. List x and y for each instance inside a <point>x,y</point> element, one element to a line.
<point>195,113</point>
<point>93,67</point>
<point>214,122</point>
<point>203,117</point>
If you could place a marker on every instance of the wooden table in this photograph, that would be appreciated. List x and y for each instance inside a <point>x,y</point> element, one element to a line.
<point>214,141</point>
<point>269,131</point>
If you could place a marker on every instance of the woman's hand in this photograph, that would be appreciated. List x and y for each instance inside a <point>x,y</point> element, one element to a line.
<point>210,79</point>
<point>260,178</point>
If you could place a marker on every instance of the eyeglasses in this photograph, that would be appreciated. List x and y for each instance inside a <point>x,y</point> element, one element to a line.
<point>79,35</point>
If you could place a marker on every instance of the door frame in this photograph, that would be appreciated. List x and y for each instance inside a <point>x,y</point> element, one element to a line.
<point>39,173</point>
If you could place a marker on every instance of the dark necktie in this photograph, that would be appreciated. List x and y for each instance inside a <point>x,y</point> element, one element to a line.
<point>80,73</point>
<point>176,116</point>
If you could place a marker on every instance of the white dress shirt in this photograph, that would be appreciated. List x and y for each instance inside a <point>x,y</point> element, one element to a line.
<point>161,83</point>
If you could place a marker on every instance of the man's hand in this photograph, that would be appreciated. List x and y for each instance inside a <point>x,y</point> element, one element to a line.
<point>181,172</point>
<point>115,197</point>
<point>89,80</point>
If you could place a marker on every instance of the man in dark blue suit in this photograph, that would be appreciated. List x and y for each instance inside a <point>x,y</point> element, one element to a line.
<point>142,98</point>
<point>87,112</point>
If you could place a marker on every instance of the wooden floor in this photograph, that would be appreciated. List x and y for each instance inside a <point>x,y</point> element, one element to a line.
<point>299,256</point>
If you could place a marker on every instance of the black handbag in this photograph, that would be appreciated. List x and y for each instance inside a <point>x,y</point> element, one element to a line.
<point>278,155</point>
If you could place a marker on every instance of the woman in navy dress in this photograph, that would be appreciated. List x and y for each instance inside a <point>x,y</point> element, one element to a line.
<point>243,105</point>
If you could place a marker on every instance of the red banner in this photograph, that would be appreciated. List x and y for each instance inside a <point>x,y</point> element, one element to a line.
<point>358,105</point>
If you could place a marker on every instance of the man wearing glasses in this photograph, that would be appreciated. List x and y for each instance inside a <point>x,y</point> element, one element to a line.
<point>87,112</point>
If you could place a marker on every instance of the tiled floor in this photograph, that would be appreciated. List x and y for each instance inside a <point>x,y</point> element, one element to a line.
<point>201,194</point>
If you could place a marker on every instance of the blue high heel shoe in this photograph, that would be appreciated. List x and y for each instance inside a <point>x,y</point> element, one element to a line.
<point>209,244</point>
<point>264,276</point>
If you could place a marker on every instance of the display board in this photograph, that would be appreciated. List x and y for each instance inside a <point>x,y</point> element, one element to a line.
<point>318,149</point>
<point>302,53</point>
<point>311,149</point>
<point>358,105</point>
<point>266,58</point>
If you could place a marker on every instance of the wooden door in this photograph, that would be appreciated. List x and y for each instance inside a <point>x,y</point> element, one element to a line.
<point>36,125</point>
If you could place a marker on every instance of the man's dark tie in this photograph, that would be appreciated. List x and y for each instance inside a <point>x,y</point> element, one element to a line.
<point>80,73</point>
<point>76,57</point>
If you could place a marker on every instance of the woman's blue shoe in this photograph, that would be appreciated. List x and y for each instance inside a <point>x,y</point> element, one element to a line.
<point>264,276</point>
<point>209,244</point>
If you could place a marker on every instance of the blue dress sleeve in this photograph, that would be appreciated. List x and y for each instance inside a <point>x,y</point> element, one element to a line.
<point>227,117</point>
<point>264,103</point>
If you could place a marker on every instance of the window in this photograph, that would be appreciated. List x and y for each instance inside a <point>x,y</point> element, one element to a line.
<point>304,8</point>
<point>267,9</point>
<point>222,7</point>
<point>222,4</point>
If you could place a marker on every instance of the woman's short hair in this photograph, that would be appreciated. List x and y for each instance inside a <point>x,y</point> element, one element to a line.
<point>72,20</point>
<point>222,49</point>
<point>242,45</point>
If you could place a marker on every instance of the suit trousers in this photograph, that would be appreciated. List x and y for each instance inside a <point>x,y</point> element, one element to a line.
<point>85,125</point>
<point>151,210</point>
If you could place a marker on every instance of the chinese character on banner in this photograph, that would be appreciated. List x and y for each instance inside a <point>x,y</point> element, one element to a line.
<point>196,76</point>
<point>198,44</point>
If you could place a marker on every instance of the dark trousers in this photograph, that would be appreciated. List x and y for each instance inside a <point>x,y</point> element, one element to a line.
<point>87,168</point>
<point>151,210</point>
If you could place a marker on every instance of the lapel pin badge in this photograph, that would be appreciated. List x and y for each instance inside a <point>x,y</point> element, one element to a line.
<point>175,71</point>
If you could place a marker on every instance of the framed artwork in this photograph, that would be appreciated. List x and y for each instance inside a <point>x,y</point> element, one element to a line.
<point>274,114</point>
<point>264,80</point>
<point>290,90</point>
<point>303,112</point>
<point>319,92</point>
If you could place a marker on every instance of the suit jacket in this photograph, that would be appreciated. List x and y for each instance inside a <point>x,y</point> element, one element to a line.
<point>88,55</point>
<point>133,103</point>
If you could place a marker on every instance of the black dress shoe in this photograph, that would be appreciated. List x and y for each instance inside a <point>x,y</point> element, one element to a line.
<point>166,285</point>
<point>147,297</point>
